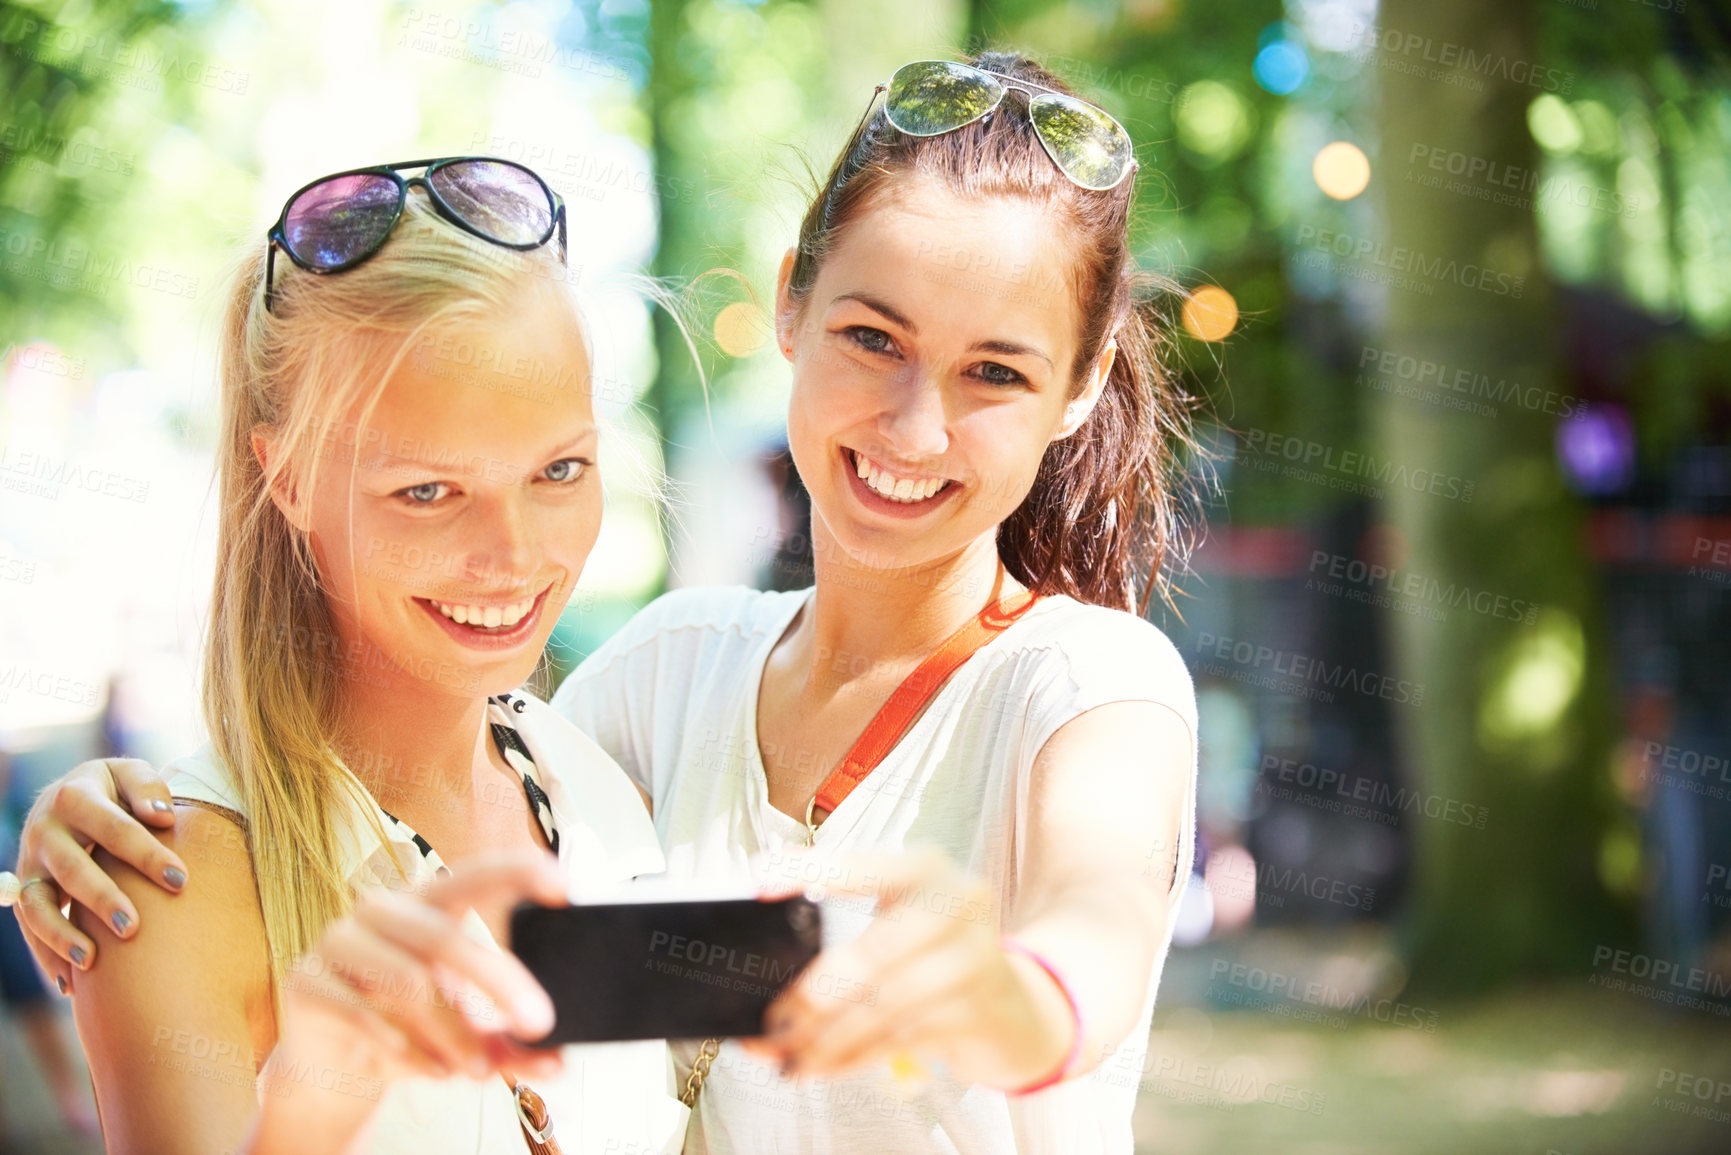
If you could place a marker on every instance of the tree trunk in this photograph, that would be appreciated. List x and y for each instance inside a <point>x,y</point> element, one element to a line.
<point>1515,718</point>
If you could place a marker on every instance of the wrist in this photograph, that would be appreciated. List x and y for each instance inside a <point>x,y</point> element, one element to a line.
<point>1056,1009</point>
<point>318,1094</point>
<point>292,1123</point>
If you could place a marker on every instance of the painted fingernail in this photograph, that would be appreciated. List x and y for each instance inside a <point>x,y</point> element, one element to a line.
<point>120,921</point>
<point>78,956</point>
<point>174,876</point>
<point>160,806</point>
<point>60,981</point>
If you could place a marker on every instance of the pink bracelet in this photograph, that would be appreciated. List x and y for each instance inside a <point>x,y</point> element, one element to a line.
<point>1065,1068</point>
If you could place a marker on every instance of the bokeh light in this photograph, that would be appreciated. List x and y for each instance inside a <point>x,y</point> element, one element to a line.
<point>741,329</point>
<point>1333,25</point>
<point>1281,67</point>
<point>1601,135</point>
<point>1341,170</point>
<point>1596,448</point>
<point>1210,314</point>
<point>1554,125</point>
<point>1540,675</point>
<point>1213,120</point>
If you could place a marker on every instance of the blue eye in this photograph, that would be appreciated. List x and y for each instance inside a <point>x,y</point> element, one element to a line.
<point>870,339</point>
<point>565,469</point>
<point>425,493</point>
<point>993,373</point>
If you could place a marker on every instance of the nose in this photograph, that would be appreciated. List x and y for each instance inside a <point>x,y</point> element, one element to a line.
<point>505,549</point>
<point>915,424</point>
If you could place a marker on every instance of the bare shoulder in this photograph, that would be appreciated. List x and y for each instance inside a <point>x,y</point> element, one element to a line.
<point>1109,792</point>
<point>174,1018</point>
<point>220,898</point>
<point>1135,739</point>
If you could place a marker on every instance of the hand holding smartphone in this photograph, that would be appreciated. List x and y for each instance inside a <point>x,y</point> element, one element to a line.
<point>664,970</point>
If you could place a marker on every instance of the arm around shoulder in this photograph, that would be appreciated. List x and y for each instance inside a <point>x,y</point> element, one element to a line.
<point>178,1017</point>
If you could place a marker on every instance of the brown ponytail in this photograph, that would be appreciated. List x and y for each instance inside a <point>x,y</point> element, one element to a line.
<point>1114,511</point>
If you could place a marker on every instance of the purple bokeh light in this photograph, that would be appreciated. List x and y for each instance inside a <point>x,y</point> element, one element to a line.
<point>1596,449</point>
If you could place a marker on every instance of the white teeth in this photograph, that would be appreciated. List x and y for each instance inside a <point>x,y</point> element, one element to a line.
<point>487,617</point>
<point>902,489</point>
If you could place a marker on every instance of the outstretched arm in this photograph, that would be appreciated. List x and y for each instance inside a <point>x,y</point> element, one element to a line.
<point>931,976</point>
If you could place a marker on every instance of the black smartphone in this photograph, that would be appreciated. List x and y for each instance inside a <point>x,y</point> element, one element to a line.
<point>664,970</point>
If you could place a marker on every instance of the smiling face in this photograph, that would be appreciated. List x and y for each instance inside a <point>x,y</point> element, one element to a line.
<point>449,549</point>
<point>934,361</point>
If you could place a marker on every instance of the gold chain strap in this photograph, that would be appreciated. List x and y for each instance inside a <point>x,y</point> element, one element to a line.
<point>699,1071</point>
<point>711,1047</point>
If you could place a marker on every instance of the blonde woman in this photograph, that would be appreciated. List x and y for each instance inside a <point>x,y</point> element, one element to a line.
<point>397,540</point>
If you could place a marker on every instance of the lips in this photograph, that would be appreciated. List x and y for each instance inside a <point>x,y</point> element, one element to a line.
<point>904,489</point>
<point>895,487</point>
<point>487,617</point>
<point>496,626</point>
<point>861,469</point>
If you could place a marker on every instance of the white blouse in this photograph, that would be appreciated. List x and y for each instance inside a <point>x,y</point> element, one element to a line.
<point>673,698</point>
<point>616,1098</point>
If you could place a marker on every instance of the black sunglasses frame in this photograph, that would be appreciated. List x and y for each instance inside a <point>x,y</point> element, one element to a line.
<point>277,237</point>
<point>1027,88</point>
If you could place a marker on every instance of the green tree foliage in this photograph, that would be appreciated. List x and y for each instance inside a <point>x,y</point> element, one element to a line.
<point>83,82</point>
<point>750,103</point>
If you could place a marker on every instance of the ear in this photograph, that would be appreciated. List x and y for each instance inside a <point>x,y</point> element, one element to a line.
<point>282,492</point>
<point>1077,411</point>
<point>785,309</point>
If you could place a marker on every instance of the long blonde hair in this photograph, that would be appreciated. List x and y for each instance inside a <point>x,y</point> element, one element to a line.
<point>272,664</point>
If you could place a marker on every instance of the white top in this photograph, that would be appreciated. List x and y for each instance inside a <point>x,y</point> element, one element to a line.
<point>673,697</point>
<point>610,1097</point>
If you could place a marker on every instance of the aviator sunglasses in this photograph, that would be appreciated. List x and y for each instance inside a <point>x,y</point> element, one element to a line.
<point>338,221</point>
<point>932,97</point>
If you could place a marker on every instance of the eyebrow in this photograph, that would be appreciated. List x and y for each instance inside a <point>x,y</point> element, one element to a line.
<point>1011,349</point>
<point>440,466</point>
<point>583,434</point>
<point>1007,348</point>
<point>877,305</point>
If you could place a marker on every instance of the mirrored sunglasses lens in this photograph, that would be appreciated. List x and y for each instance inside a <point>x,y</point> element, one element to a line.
<point>933,96</point>
<point>341,219</point>
<point>1083,141</point>
<point>501,200</point>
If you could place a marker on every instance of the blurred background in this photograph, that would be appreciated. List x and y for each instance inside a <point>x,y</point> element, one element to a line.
<point>1461,279</point>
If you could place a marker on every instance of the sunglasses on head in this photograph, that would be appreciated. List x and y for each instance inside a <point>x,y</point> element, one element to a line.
<point>338,221</point>
<point>932,97</point>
